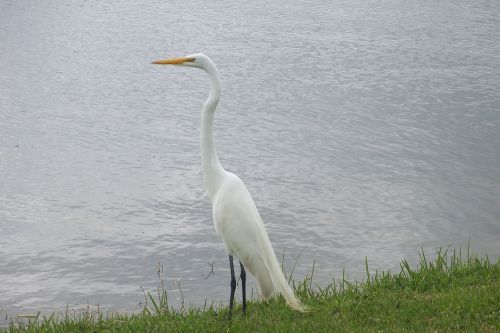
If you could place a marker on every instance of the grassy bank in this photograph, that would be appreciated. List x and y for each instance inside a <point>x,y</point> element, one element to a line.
<point>447,293</point>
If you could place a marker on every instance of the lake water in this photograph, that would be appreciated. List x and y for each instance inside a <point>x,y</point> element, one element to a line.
<point>362,129</point>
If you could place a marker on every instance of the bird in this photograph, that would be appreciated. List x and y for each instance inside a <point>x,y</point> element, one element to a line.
<point>236,218</point>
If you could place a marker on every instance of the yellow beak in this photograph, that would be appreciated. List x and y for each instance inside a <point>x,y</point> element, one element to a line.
<point>173,61</point>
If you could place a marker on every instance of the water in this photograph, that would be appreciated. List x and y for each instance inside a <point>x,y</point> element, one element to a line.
<point>361,129</point>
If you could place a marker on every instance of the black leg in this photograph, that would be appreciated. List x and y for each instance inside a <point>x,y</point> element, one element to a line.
<point>243,276</point>
<point>233,285</point>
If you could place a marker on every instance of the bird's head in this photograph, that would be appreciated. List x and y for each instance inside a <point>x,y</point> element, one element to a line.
<point>198,60</point>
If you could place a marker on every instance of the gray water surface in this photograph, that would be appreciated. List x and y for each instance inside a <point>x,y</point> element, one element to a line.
<point>362,129</point>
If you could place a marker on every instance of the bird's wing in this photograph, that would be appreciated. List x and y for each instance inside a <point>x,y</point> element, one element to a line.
<point>237,219</point>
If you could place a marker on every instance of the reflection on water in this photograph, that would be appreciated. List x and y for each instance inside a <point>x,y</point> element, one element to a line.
<point>361,129</point>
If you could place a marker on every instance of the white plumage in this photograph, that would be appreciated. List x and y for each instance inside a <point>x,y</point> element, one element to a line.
<point>236,218</point>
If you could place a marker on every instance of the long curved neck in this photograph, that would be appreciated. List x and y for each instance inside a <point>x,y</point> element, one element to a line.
<point>212,168</point>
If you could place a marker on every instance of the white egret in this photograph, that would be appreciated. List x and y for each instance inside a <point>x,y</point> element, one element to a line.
<point>236,218</point>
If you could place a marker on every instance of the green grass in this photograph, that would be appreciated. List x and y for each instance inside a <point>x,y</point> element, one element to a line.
<point>447,293</point>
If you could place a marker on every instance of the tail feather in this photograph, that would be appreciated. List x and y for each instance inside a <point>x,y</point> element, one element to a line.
<point>280,282</point>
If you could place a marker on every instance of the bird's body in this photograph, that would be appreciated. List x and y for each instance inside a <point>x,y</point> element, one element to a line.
<point>238,223</point>
<point>236,218</point>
